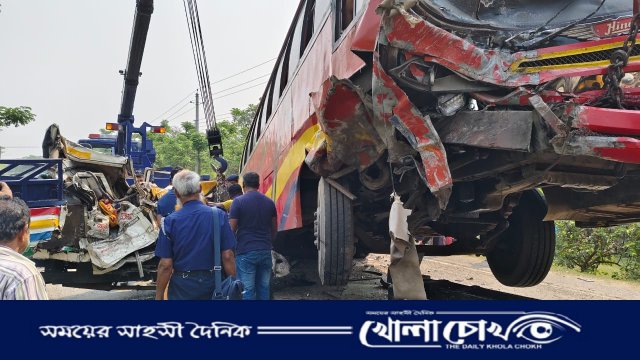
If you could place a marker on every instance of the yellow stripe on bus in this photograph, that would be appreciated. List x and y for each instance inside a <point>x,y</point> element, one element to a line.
<point>292,161</point>
<point>40,224</point>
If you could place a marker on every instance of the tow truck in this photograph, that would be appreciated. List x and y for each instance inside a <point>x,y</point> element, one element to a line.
<point>93,222</point>
<point>89,227</point>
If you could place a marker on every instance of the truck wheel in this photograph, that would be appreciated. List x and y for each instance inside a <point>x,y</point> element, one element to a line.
<point>523,255</point>
<point>334,235</point>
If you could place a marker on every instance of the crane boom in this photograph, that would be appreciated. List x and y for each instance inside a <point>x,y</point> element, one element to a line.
<point>142,19</point>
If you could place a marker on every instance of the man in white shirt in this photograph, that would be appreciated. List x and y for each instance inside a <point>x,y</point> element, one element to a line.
<point>19,278</point>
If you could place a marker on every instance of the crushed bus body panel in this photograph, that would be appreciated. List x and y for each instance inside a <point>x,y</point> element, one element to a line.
<point>345,120</point>
<point>461,111</point>
<point>418,130</point>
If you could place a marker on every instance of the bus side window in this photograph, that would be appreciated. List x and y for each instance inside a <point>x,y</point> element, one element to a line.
<point>283,73</point>
<point>269,101</point>
<point>295,46</point>
<point>249,145</point>
<point>260,121</point>
<point>321,8</point>
<point>308,25</point>
<point>346,11</point>
<point>344,16</point>
<point>277,85</point>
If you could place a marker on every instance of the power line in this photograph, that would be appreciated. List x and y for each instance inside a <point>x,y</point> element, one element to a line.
<point>239,91</point>
<point>244,83</point>
<point>169,117</point>
<point>219,97</point>
<point>182,113</point>
<point>172,107</point>
<point>243,71</point>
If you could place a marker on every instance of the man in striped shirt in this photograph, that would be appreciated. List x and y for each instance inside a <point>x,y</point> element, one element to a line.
<point>19,278</point>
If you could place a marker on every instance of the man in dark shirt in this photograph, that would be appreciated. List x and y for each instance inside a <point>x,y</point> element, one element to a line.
<point>253,219</point>
<point>167,203</point>
<point>185,245</point>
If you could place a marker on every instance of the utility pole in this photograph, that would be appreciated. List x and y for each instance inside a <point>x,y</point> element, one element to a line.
<point>1,148</point>
<point>198,129</point>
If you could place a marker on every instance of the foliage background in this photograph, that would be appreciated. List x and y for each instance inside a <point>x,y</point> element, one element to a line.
<point>18,116</point>
<point>182,144</point>
<point>590,250</point>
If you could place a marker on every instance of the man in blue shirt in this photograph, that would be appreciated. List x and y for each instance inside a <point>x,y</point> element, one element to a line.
<point>185,245</point>
<point>253,219</point>
<point>167,203</point>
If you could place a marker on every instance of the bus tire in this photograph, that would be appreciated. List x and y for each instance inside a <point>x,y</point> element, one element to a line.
<point>334,235</point>
<point>524,253</point>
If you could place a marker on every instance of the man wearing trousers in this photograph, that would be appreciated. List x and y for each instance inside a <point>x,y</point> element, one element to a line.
<point>253,219</point>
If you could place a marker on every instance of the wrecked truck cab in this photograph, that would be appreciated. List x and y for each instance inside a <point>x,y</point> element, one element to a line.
<point>105,232</point>
<point>489,119</point>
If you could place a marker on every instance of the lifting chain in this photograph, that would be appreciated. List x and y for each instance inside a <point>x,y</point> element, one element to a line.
<point>620,59</point>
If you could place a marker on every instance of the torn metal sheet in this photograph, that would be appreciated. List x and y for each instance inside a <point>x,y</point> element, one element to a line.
<point>619,149</point>
<point>136,232</point>
<point>72,257</point>
<point>419,131</point>
<point>81,154</point>
<point>407,31</point>
<point>405,264</point>
<point>346,119</point>
<point>548,116</point>
<point>477,129</point>
<point>128,260</point>
<point>603,120</point>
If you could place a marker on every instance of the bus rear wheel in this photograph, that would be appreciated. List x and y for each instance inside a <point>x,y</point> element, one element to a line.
<point>334,236</point>
<point>524,253</point>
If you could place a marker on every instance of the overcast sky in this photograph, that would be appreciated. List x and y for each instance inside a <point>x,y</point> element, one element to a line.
<point>62,59</point>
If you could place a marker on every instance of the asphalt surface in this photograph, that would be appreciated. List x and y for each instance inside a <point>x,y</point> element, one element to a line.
<point>454,271</point>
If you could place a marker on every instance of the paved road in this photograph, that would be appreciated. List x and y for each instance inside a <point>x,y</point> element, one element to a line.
<point>303,283</point>
<point>57,292</point>
<point>559,285</point>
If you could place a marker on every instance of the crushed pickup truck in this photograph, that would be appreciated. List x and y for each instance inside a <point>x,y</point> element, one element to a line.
<point>89,227</point>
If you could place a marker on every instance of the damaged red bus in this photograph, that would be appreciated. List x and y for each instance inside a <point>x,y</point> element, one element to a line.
<point>490,119</point>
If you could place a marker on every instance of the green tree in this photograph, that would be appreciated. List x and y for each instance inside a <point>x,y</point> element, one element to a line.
<point>234,135</point>
<point>198,142</point>
<point>179,146</point>
<point>244,117</point>
<point>587,249</point>
<point>19,116</point>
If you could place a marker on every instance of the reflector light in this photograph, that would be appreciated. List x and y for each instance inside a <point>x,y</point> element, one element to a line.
<point>159,130</point>
<point>94,136</point>
<point>112,126</point>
